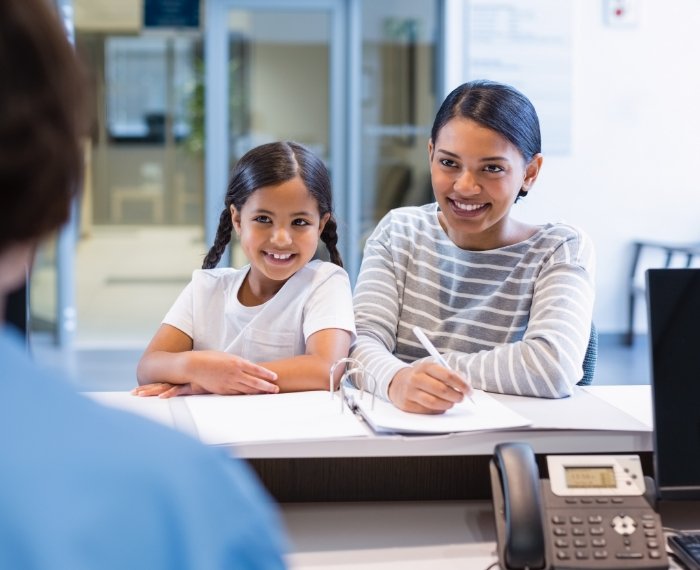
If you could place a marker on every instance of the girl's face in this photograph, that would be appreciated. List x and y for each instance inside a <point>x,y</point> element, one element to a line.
<point>279,228</point>
<point>476,175</point>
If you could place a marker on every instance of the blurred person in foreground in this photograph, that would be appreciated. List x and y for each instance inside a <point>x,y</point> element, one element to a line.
<point>81,485</point>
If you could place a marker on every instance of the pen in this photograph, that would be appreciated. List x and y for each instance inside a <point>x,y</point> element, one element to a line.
<point>430,347</point>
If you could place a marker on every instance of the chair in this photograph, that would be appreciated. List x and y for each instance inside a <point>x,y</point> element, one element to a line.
<point>669,252</point>
<point>590,358</point>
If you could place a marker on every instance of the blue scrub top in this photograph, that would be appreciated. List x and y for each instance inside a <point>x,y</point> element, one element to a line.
<point>86,486</point>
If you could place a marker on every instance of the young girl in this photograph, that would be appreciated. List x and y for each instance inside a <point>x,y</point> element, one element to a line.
<point>277,324</point>
<point>508,303</point>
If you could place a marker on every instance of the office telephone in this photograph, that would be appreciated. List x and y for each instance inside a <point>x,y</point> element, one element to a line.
<point>590,514</point>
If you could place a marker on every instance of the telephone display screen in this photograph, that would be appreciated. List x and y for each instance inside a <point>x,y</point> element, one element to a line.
<point>590,477</point>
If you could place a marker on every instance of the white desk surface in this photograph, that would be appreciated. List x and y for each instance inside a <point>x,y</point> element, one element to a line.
<point>621,422</point>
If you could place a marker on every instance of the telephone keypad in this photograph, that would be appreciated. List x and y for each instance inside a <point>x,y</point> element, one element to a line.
<point>620,533</point>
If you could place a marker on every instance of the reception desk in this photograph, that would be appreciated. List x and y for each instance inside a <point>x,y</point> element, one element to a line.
<point>605,419</point>
<point>385,502</point>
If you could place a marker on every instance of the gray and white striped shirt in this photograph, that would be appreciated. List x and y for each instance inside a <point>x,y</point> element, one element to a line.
<point>514,320</point>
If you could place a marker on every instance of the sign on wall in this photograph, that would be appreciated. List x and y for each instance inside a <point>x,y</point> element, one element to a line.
<point>171,13</point>
<point>527,45</point>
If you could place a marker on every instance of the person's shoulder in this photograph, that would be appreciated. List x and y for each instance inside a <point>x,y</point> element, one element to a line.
<point>318,271</point>
<point>117,441</point>
<point>219,277</point>
<point>129,451</point>
<point>421,214</point>
<point>563,232</point>
<point>216,274</point>
<point>409,221</point>
<point>567,243</point>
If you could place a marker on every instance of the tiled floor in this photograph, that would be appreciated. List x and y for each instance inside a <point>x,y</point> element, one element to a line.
<point>102,369</point>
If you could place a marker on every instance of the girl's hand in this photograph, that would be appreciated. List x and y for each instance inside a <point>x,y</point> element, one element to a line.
<point>167,390</point>
<point>155,389</point>
<point>427,388</point>
<point>222,373</point>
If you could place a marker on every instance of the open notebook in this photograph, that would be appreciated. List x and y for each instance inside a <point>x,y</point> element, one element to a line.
<point>483,413</point>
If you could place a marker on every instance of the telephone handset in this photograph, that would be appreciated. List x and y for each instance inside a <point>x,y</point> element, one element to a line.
<point>590,514</point>
<point>516,497</point>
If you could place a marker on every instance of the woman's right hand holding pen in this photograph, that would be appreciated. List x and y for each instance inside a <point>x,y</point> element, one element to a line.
<point>427,388</point>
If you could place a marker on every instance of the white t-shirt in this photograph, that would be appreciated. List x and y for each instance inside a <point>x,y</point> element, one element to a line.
<point>316,297</point>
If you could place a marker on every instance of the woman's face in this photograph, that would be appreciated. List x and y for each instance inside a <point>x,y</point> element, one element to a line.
<point>476,175</point>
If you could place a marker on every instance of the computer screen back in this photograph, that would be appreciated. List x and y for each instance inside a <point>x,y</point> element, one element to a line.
<point>673,305</point>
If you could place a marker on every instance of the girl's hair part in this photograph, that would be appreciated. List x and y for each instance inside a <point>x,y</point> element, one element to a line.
<point>268,165</point>
<point>498,107</point>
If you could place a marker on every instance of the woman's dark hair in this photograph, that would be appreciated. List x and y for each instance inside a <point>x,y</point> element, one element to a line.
<point>268,165</point>
<point>42,121</point>
<point>496,106</point>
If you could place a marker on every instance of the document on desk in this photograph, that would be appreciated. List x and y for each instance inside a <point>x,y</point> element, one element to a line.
<point>485,413</point>
<point>314,415</point>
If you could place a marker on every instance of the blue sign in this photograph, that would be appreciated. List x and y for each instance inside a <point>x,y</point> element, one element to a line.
<point>171,13</point>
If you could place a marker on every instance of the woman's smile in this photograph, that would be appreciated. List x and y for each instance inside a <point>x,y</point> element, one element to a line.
<point>467,209</point>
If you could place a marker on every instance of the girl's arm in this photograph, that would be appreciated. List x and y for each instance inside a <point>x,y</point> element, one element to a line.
<point>169,359</point>
<point>311,370</point>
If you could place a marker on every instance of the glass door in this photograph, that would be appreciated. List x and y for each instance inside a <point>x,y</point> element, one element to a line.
<point>401,91</point>
<point>274,72</point>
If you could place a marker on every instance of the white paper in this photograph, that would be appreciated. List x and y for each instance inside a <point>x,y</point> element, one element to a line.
<point>485,413</point>
<point>311,415</point>
<point>155,409</point>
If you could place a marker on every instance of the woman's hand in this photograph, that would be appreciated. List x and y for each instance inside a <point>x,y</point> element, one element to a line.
<point>427,388</point>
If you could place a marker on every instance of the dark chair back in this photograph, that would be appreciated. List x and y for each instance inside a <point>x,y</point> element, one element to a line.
<point>590,358</point>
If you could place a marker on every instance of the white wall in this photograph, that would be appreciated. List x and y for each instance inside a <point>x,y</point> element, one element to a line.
<point>636,140</point>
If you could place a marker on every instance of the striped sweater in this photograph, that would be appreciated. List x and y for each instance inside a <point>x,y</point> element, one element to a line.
<point>514,320</point>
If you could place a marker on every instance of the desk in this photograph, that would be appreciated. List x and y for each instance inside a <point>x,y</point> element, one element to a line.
<point>424,534</point>
<point>409,535</point>
<point>443,467</point>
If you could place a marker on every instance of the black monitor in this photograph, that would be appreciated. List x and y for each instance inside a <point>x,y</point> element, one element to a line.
<point>673,305</point>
